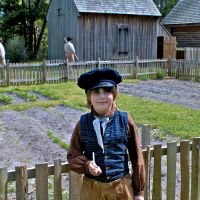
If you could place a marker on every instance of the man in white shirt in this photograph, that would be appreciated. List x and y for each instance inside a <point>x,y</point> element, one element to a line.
<point>69,50</point>
<point>2,53</point>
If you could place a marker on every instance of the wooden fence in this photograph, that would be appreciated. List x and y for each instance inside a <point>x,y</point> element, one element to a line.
<point>188,154</point>
<point>57,72</point>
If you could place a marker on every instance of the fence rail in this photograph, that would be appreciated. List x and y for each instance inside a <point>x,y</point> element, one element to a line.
<point>57,72</point>
<point>189,155</point>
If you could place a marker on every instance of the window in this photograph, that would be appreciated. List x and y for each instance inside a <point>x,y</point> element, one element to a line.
<point>123,39</point>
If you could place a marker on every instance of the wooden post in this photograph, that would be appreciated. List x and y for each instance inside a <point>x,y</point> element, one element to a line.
<point>99,63</point>
<point>3,184</point>
<point>57,180</point>
<point>66,71</point>
<point>75,181</point>
<point>171,67</point>
<point>171,170</point>
<point>41,172</point>
<point>44,72</point>
<point>136,65</point>
<point>7,74</point>
<point>21,183</point>
<point>195,182</point>
<point>185,169</point>
<point>147,161</point>
<point>145,135</point>
<point>157,188</point>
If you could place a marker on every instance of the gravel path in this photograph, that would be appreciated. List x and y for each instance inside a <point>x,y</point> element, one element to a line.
<point>185,93</point>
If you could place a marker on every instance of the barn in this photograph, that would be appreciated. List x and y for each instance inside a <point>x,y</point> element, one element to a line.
<point>183,22</point>
<point>114,29</point>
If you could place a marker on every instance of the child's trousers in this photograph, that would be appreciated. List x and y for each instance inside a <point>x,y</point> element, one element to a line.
<point>120,189</point>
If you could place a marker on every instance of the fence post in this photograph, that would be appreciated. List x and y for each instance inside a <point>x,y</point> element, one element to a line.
<point>136,65</point>
<point>171,170</point>
<point>195,177</point>
<point>145,135</point>
<point>67,71</point>
<point>157,187</point>
<point>57,180</point>
<point>75,181</point>
<point>41,181</point>
<point>7,74</point>
<point>170,66</point>
<point>147,161</point>
<point>99,63</point>
<point>44,71</point>
<point>134,71</point>
<point>21,183</point>
<point>3,184</point>
<point>185,169</point>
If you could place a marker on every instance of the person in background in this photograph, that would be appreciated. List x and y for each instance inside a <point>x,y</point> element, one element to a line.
<point>2,53</point>
<point>69,50</point>
<point>102,142</point>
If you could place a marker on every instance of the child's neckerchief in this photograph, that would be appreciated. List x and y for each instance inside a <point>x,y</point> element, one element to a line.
<point>97,124</point>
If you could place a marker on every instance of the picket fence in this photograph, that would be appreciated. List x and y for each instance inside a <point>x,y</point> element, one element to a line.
<point>188,154</point>
<point>59,71</point>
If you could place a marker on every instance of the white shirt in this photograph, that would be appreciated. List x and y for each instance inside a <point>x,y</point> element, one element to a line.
<point>2,50</point>
<point>69,47</point>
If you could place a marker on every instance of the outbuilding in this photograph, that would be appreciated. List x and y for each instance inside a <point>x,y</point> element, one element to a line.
<point>114,29</point>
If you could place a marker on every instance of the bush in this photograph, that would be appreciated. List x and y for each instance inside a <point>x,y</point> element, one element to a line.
<point>16,50</point>
<point>160,74</point>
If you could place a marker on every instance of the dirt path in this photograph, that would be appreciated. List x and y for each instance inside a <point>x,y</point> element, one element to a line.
<point>24,135</point>
<point>185,93</point>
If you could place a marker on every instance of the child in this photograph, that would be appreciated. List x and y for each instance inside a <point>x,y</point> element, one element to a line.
<point>102,140</point>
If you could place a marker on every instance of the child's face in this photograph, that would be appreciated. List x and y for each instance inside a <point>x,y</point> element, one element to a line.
<point>102,100</point>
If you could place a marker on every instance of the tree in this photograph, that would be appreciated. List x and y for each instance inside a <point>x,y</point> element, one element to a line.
<point>165,6</point>
<point>169,5</point>
<point>25,18</point>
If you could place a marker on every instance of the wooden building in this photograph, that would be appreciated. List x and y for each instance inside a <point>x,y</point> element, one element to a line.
<point>104,29</point>
<point>183,22</point>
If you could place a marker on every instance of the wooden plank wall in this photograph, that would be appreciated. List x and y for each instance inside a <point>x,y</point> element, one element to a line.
<point>187,36</point>
<point>98,36</point>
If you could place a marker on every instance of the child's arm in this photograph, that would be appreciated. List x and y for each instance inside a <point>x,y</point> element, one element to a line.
<point>77,161</point>
<point>135,153</point>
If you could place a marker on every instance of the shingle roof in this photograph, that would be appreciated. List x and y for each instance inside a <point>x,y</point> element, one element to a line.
<point>185,12</point>
<point>129,7</point>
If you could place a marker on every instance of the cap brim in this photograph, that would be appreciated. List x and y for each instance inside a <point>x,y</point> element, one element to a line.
<point>103,84</point>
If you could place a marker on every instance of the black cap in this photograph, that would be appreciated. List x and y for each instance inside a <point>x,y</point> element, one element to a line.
<point>69,38</point>
<point>99,78</point>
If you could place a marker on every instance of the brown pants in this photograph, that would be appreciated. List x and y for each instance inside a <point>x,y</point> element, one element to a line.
<point>120,189</point>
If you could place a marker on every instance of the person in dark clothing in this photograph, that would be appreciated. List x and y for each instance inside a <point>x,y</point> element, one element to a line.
<point>102,141</point>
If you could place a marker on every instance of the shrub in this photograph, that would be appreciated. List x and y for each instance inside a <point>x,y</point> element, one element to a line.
<point>160,74</point>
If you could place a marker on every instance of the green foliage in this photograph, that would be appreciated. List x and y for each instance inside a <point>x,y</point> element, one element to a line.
<point>26,19</point>
<point>25,94</point>
<point>16,50</point>
<point>169,5</point>
<point>6,99</point>
<point>46,92</point>
<point>57,140</point>
<point>160,74</point>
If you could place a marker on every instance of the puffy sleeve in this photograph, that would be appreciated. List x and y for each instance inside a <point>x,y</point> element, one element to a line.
<point>136,157</point>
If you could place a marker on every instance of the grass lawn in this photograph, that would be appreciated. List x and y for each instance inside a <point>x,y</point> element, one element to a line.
<point>173,119</point>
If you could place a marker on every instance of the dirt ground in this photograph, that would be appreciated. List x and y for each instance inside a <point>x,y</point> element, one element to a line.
<point>23,135</point>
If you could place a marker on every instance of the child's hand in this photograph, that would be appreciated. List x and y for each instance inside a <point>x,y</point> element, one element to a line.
<point>138,197</point>
<point>94,169</point>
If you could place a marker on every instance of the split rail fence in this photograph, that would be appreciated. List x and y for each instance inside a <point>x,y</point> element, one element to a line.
<point>186,152</point>
<point>59,71</point>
